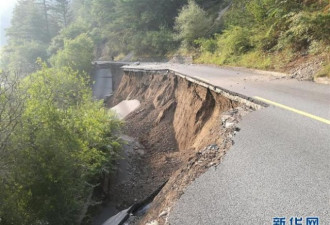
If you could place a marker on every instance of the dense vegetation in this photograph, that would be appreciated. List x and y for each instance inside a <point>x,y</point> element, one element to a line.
<point>253,33</point>
<point>64,32</point>
<point>56,141</point>
<point>269,33</point>
<point>55,144</point>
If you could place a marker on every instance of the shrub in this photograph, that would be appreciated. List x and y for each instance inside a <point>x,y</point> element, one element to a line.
<point>207,44</point>
<point>65,143</point>
<point>192,23</point>
<point>256,59</point>
<point>68,33</point>
<point>324,72</point>
<point>77,54</point>
<point>235,40</point>
<point>154,43</point>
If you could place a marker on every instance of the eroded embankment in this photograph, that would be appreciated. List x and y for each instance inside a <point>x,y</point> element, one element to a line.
<point>184,129</point>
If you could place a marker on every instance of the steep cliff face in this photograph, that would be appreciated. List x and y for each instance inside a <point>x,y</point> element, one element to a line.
<point>190,110</point>
<point>185,128</point>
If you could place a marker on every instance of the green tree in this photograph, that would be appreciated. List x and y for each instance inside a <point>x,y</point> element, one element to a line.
<point>77,53</point>
<point>192,23</point>
<point>68,33</point>
<point>66,141</point>
<point>155,43</point>
<point>28,22</point>
<point>32,28</point>
<point>62,12</point>
<point>11,108</point>
<point>121,25</point>
<point>21,57</point>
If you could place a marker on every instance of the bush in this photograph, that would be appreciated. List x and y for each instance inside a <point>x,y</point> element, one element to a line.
<point>154,43</point>
<point>234,41</point>
<point>65,143</point>
<point>320,26</point>
<point>192,23</point>
<point>77,54</point>
<point>227,47</point>
<point>68,33</point>
<point>255,59</point>
<point>207,44</point>
<point>324,72</point>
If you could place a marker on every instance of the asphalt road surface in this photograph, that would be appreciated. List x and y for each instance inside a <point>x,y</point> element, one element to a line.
<point>278,171</point>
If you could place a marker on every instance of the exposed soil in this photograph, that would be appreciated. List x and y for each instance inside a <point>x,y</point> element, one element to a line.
<point>305,67</point>
<point>183,128</point>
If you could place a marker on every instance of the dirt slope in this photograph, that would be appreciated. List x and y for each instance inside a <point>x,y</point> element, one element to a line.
<point>184,128</point>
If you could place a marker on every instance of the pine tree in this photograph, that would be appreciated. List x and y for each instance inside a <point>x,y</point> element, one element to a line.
<point>62,12</point>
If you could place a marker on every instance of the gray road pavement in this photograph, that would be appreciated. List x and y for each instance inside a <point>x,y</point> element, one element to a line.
<point>279,166</point>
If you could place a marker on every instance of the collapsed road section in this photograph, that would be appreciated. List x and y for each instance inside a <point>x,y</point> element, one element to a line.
<point>183,127</point>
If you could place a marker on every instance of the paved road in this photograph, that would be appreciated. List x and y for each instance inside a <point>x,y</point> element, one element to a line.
<point>280,163</point>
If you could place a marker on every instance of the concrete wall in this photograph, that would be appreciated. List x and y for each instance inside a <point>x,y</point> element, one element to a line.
<point>106,78</point>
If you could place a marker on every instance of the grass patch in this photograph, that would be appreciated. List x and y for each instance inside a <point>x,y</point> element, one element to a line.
<point>324,72</point>
<point>255,59</point>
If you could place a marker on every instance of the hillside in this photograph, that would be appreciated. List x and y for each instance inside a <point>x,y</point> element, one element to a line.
<point>266,34</point>
<point>288,36</point>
